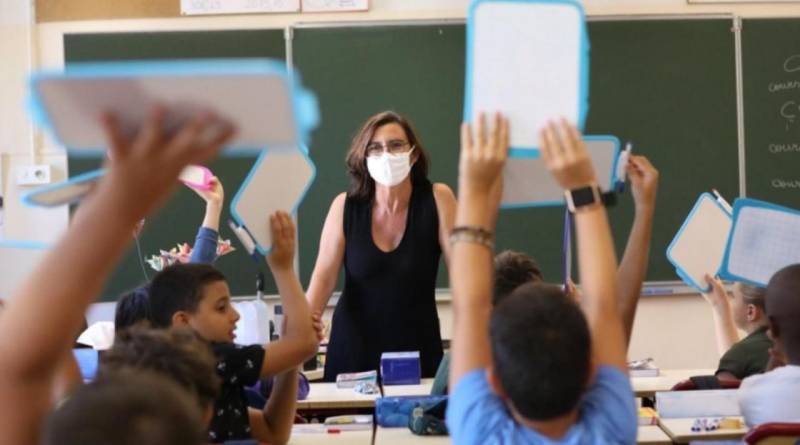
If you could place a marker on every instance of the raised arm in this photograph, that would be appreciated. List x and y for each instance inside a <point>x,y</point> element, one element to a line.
<point>633,267</point>
<point>483,155</point>
<point>205,245</point>
<point>140,174</point>
<point>565,154</point>
<point>724,327</point>
<point>329,258</point>
<point>300,340</point>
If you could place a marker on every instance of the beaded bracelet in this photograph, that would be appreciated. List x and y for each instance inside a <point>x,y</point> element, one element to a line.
<point>472,234</point>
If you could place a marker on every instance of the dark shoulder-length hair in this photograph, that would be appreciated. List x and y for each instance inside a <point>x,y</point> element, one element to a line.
<point>362,186</point>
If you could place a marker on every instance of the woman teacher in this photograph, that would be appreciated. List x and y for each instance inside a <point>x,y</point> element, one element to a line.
<point>389,230</point>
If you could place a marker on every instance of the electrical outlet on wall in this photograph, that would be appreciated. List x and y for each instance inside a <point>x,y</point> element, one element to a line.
<point>33,174</point>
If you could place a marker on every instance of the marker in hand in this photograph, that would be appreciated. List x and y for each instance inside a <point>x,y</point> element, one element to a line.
<point>622,165</point>
<point>722,202</point>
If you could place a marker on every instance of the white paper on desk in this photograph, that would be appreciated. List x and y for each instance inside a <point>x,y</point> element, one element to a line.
<point>528,183</point>
<point>765,239</point>
<point>700,403</point>
<point>528,60</point>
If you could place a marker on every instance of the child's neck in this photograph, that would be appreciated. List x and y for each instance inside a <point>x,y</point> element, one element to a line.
<point>552,429</point>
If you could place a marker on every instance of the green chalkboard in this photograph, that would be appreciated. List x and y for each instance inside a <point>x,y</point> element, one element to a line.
<point>668,85</point>
<point>771,81</point>
<point>181,216</point>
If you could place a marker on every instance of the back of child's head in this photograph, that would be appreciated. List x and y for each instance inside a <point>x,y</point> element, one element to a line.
<point>132,308</point>
<point>757,296</point>
<point>783,310</point>
<point>541,350</point>
<point>126,408</point>
<point>511,270</point>
<point>179,288</point>
<point>178,354</point>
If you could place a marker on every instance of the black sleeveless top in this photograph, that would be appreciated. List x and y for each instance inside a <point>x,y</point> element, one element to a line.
<point>388,303</point>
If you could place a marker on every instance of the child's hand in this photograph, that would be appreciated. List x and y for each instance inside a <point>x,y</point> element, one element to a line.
<point>566,157</point>
<point>718,296</point>
<point>283,241</point>
<point>214,195</point>
<point>483,154</point>
<point>319,327</point>
<point>644,182</point>
<point>142,171</point>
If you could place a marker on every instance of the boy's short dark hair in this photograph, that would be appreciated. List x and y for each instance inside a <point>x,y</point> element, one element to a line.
<point>541,350</point>
<point>126,408</point>
<point>178,354</point>
<point>179,288</point>
<point>132,308</point>
<point>511,270</point>
<point>783,309</point>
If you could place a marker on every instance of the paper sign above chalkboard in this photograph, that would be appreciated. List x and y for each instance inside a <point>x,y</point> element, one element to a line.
<point>207,7</point>
<point>335,5</point>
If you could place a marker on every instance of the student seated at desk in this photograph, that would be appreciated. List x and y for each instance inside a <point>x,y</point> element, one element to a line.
<point>744,310</point>
<point>513,269</point>
<point>177,355</point>
<point>775,395</point>
<point>197,296</point>
<point>536,369</point>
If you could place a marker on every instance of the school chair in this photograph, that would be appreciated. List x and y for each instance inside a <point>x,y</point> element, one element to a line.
<point>705,382</point>
<point>774,434</point>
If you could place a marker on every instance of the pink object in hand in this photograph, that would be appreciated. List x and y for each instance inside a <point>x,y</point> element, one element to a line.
<point>196,177</point>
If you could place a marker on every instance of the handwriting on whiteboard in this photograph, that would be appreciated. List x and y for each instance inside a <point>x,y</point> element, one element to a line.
<point>201,7</point>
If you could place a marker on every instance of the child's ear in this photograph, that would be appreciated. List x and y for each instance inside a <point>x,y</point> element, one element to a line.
<point>494,382</point>
<point>753,312</point>
<point>180,319</point>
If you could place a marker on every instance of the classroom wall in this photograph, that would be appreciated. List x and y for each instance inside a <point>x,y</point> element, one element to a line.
<point>677,330</point>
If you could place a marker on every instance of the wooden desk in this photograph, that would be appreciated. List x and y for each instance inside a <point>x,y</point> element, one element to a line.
<point>648,386</point>
<point>423,389</point>
<point>647,435</point>
<point>404,436</point>
<point>652,435</point>
<point>328,396</point>
<point>680,430</point>
<point>316,435</point>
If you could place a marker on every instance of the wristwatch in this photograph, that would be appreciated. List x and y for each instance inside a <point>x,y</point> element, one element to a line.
<point>585,197</point>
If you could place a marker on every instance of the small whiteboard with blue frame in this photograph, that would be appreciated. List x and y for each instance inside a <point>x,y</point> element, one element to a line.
<point>764,239</point>
<point>528,183</point>
<point>256,95</point>
<point>528,59</point>
<point>698,247</point>
<point>279,180</point>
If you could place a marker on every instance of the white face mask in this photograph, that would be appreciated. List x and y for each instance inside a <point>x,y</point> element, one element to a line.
<point>389,169</point>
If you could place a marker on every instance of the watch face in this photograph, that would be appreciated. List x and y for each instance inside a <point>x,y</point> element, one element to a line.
<point>583,196</point>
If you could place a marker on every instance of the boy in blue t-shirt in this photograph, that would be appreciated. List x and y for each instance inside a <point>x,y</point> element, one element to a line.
<point>548,371</point>
<point>197,296</point>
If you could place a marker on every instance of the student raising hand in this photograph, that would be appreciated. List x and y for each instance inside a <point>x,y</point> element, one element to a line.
<point>214,198</point>
<point>142,169</point>
<point>141,172</point>
<point>283,241</point>
<point>644,182</point>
